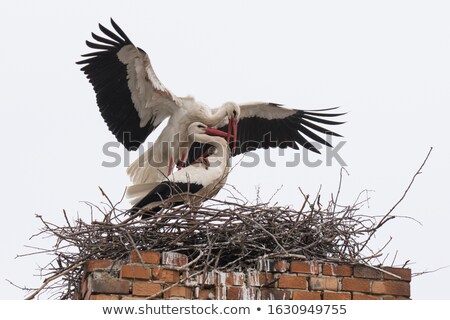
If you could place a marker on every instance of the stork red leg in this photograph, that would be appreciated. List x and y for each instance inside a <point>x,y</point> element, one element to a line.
<point>205,161</point>
<point>229,129</point>
<point>169,170</point>
<point>234,134</point>
<point>182,161</point>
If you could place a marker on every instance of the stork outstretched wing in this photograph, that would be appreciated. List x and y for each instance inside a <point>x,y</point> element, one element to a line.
<point>270,125</point>
<point>131,99</point>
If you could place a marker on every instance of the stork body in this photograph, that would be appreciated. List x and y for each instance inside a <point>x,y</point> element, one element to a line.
<point>173,142</point>
<point>193,184</point>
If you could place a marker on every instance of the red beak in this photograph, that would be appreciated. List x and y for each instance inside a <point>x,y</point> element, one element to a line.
<point>235,122</point>
<point>229,129</point>
<point>232,127</point>
<point>216,132</point>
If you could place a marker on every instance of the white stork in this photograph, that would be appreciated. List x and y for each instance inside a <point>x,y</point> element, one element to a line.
<point>194,184</point>
<point>133,102</point>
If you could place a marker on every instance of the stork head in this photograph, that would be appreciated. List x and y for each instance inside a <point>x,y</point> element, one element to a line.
<point>198,131</point>
<point>233,111</point>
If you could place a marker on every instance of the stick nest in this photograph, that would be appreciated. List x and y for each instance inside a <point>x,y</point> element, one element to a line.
<point>219,235</point>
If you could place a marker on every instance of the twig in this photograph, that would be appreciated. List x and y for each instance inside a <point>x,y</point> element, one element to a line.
<point>52,278</point>
<point>410,184</point>
<point>428,271</point>
<point>388,216</point>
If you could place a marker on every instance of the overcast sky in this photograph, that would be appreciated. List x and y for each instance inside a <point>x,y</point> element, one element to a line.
<point>386,63</point>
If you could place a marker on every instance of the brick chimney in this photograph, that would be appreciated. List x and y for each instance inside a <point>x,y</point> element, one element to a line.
<point>166,275</point>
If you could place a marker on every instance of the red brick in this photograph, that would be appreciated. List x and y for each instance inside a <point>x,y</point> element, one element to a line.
<point>355,284</point>
<point>260,279</point>
<point>174,259</point>
<point>281,266</point>
<point>165,275</point>
<point>404,273</point>
<point>337,296</point>
<point>398,288</point>
<point>366,272</point>
<point>206,294</point>
<point>234,293</point>
<point>146,289</point>
<point>395,298</point>
<point>178,292</point>
<point>274,294</point>
<point>293,282</point>
<point>91,265</point>
<point>109,286</point>
<point>253,278</point>
<point>308,267</point>
<point>323,283</point>
<point>239,293</point>
<point>131,298</point>
<point>235,279</point>
<point>103,297</point>
<point>266,279</point>
<point>149,257</point>
<point>362,296</point>
<point>332,269</point>
<point>306,295</point>
<point>129,271</point>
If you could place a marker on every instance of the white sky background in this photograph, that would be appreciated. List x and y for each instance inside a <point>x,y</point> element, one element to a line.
<point>386,63</point>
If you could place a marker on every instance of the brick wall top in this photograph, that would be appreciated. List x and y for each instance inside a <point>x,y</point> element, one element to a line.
<point>166,275</point>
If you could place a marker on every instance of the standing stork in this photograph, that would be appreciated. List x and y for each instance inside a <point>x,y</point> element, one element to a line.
<point>194,184</point>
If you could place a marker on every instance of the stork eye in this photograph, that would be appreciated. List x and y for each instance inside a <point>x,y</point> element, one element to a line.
<point>200,126</point>
<point>234,113</point>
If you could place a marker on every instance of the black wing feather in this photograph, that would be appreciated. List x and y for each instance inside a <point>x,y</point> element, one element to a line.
<point>112,35</point>
<point>319,128</point>
<point>314,136</point>
<point>119,30</point>
<point>259,132</point>
<point>109,78</point>
<point>98,46</point>
<point>104,40</point>
<point>165,190</point>
<point>320,120</point>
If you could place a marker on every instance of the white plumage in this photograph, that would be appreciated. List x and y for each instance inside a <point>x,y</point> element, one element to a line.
<point>155,163</point>
<point>195,183</point>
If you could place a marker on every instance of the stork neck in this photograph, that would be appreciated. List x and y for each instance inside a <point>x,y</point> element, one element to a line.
<point>217,142</point>
<point>218,116</point>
